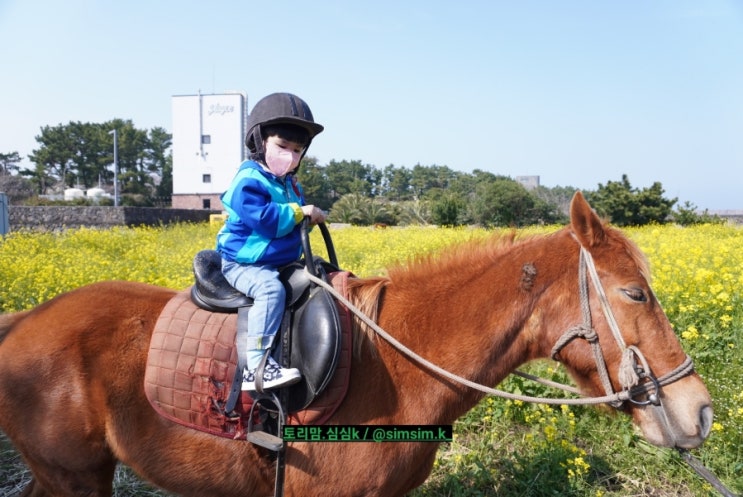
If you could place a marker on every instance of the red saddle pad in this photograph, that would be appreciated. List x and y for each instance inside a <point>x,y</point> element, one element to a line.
<point>191,365</point>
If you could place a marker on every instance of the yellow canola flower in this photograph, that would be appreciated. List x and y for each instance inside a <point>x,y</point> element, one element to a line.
<point>690,334</point>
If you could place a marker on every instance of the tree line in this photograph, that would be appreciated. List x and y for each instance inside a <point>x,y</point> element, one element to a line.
<point>81,154</point>
<point>362,194</point>
<point>359,193</point>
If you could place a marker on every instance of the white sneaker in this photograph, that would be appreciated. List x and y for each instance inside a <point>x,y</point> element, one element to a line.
<point>274,376</point>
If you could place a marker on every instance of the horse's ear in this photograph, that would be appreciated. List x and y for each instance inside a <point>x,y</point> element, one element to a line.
<point>586,224</point>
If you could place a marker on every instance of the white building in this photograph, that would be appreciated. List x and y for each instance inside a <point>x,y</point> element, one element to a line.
<point>208,146</point>
<point>528,182</point>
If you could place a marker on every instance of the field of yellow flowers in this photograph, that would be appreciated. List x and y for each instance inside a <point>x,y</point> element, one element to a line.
<point>501,447</point>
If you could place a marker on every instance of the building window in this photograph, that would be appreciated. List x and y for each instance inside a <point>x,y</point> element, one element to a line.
<point>207,203</point>
<point>206,139</point>
<point>206,178</point>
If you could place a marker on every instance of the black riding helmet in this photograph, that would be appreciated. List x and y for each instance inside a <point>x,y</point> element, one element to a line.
<point>278,108</point>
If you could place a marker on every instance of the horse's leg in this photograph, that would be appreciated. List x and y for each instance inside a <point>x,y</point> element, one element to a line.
<point>31,490</point>
<point>48,405</point>
<point>69,487</point>
<point>68,457</point>
<point>34,489</point>
<point>50,478</point>
<point>59,432</point>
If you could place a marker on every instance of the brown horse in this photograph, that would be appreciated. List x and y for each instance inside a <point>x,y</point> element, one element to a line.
<point>72,370</point>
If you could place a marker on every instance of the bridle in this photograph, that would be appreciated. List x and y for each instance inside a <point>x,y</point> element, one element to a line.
<point>631,373</point>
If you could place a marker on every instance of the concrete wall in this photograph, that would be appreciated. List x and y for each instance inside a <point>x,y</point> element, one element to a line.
<point>61,217</point>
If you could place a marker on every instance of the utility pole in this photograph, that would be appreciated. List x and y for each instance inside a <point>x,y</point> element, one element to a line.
<point>116,166</point>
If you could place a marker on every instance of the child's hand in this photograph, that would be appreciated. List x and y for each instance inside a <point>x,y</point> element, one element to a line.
<point>315,214</point>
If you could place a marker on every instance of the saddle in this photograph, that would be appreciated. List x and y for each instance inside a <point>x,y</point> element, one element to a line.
<point>194,374</point>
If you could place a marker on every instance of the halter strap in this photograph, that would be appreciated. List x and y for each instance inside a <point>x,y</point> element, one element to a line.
<point>630,372</point>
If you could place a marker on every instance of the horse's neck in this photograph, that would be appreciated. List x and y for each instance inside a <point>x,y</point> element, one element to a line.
<point>474,323</point>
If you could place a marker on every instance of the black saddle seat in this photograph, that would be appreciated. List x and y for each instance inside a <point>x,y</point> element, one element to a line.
<point>212,292</point>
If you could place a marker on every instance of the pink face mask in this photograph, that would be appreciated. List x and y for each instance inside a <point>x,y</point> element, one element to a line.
<point>280,160</point>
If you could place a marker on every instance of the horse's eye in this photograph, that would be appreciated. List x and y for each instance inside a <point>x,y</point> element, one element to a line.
<point>636,294</point>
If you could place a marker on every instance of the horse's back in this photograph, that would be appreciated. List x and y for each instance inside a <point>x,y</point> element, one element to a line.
<point>86,314</point>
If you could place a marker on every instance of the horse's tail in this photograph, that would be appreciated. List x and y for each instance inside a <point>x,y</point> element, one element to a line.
<point>7,321</point>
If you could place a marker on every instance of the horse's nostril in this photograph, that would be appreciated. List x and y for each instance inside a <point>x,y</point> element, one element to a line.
<point>705,420</point>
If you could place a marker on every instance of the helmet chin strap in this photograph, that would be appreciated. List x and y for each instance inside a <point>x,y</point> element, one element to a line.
<point>260,151</point>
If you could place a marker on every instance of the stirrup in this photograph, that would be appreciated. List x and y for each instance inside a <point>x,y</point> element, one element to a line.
<point>263,438</point>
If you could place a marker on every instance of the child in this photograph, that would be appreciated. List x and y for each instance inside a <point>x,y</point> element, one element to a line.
<point>262,233</point>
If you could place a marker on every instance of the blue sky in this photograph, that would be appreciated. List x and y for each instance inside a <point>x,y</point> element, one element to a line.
<point>577,92</point>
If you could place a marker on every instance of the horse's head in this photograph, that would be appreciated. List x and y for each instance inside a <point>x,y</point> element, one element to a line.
<point>643,357</point>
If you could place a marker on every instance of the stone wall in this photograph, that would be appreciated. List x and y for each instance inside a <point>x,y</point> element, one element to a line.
<point>61,217</point>
<point>731,216</point>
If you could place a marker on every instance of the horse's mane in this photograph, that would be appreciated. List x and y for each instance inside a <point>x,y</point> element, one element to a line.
<point>632,250</point>
<point>366,295</point>
<point>476,254</point>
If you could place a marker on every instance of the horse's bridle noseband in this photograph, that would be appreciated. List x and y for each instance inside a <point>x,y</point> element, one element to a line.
<point>630,372</point>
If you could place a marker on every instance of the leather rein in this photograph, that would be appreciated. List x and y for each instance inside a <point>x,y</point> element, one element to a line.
<point>633,367</point>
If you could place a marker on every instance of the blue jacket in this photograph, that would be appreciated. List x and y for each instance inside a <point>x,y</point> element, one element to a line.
<point>264,216</point>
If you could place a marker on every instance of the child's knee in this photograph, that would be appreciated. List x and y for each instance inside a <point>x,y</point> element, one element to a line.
<point>274,287</point>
